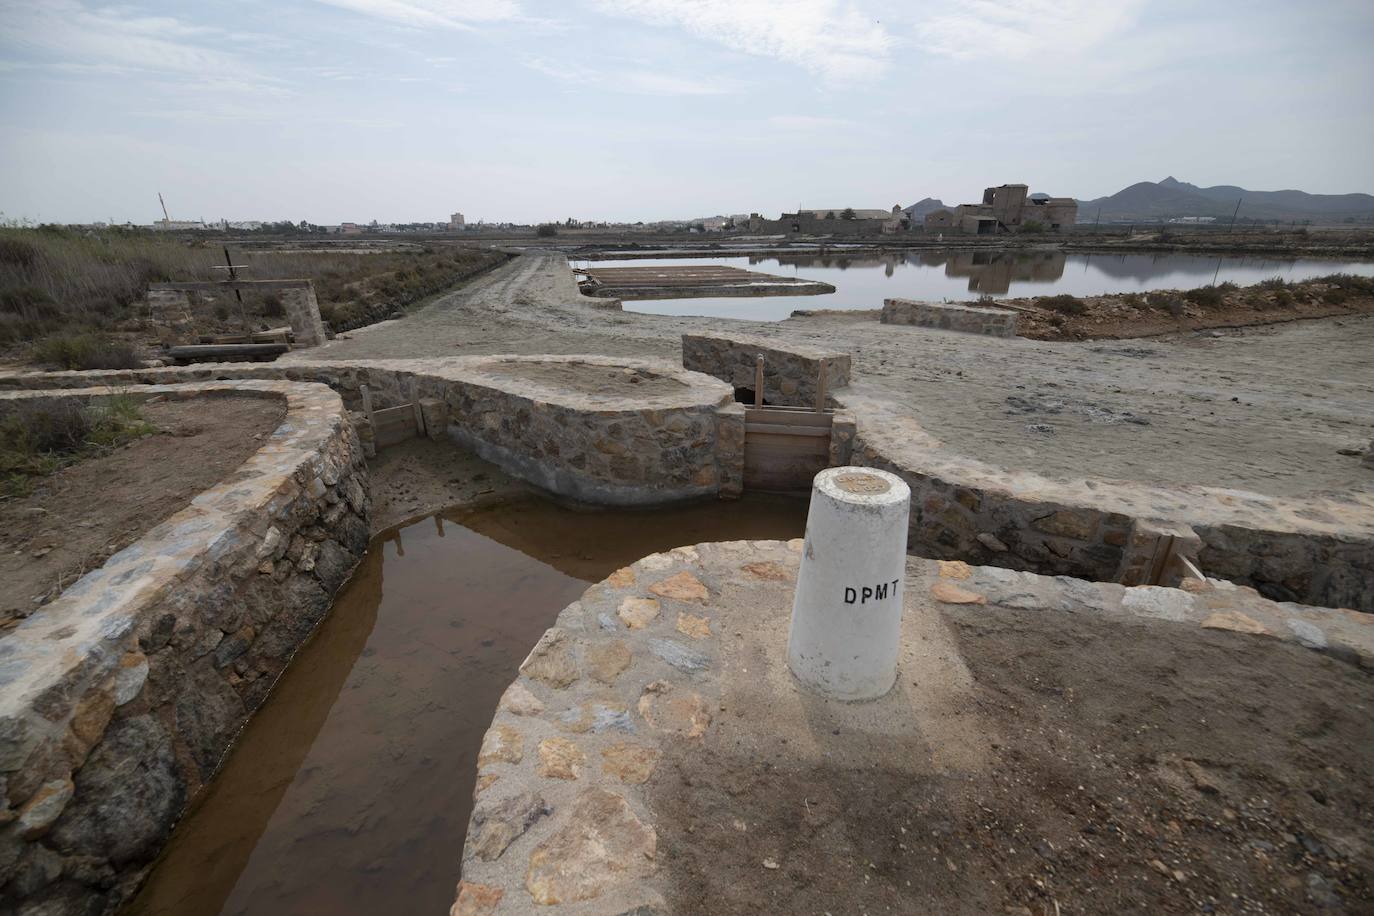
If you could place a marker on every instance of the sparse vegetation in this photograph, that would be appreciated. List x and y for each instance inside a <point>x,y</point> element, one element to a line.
<point>848,213</point>
<point>37,439</point>
<point>1064,304</point>
<point>86,289</point>
<point>1205,296</point>
<point>546,230</point>
<point>1032,226</point>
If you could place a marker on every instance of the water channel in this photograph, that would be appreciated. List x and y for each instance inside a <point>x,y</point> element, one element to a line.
<point>862,281</point>
<point>349,791</point>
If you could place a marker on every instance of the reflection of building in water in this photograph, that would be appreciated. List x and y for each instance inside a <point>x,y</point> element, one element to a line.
<point>888,262</point>
<point>1006,208</point>
<point>993,272</point>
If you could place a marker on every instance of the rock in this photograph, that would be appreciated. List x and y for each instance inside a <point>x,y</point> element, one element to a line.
<point>91,717</point>
<point>1236,621</point>
<point>771,864</point>
<point>674,710</point>
<point>954,569</point>
<point>1070,523</point>
<point>600,844</point>
<point>630,763</point>
<point>607,660</point>
<point>551,660</point>
<point>682,587</point>
<point>1321,892</point>
<point>332,565</point>
<point>678,655</point>
<point>950,593</point>
<point>597,716</point>
<point>559,758</point>
<point>495,827</point>
<point>1307,634</point>
<point>991,542</point>
<point>209,713</point>
<point>476,899</point>
<point>130,794</point>
<point>621,578</point>
<point>501,744</point>
<point>1157,601</point>
<point>228,650</point>
<point>767,570</point>
<point>130,677</point>
<point>517,700</point>
<point>638,613</point>
<point>42,810</point>
<point>693,626</point>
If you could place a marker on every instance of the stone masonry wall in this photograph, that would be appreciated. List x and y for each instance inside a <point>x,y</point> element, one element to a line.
<point>119,700</point>
<point>605,448</point>
<point>789,375</point>
<point>972,319</point>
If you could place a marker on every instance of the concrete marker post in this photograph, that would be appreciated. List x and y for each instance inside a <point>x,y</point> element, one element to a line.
<point>845,635</point>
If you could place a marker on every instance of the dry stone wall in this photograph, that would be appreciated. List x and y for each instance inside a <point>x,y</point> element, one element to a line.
<point>949,316</point>
<point>119,699</point>
<point>790,375</point>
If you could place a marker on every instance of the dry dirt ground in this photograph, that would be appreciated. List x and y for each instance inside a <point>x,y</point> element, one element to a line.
<point>77,518</point>
<point>420,477</point>
<point>1267,408</point>
<point>1128,771</point>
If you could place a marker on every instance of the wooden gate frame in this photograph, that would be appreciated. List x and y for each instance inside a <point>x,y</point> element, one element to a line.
<point>784,447</point>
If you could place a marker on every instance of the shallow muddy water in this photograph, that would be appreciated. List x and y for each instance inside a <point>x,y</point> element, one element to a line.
<point>863,281</point>
<point>349,791</point>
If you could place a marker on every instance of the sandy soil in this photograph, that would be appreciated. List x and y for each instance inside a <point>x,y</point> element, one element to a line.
<point>585,378</point>
<point>421,476</point>
<point>1127,771</point>
<point>74,520</point>
<point>1264,408</point>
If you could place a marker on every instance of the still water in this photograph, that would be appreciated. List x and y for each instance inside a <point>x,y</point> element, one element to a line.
<point>349,791</point>
<point>863,281</point>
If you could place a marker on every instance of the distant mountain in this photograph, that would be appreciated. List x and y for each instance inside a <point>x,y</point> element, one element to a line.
<point>1150,200</point>
<point>918,210</point>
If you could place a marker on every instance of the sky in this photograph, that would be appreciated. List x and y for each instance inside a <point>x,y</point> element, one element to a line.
<point>534,110</point>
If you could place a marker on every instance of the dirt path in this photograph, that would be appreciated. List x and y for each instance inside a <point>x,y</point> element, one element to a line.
<point>1264,408</point>
<point>77,518</point>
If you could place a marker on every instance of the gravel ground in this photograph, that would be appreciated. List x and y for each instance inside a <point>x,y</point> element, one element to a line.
<point>1263,408</point>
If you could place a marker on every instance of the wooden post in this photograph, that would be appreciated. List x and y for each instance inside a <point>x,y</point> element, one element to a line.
<point>367,402</point>
<point>758,380</point>
<point>411,390</point>
<point>820,389</point>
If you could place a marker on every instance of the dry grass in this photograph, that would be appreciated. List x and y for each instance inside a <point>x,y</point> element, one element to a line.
<point>37,439</point>
<point>67,296</point>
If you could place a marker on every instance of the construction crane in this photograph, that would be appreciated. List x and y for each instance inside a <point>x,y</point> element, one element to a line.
<point>165,217</point>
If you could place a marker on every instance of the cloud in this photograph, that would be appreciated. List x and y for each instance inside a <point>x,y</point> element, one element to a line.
<point>1024,29</point>
<point>830,38</point>
<point>809,123</point>
<point>462,15</point>
<point>632,81</point>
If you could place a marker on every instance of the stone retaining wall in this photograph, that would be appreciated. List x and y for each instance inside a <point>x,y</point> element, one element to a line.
<point>119,700</point>
<point>789,374</point>
<point>646,666</point>
<point>613,446</point>
<point>972,319</point>
<point>1316,551</point>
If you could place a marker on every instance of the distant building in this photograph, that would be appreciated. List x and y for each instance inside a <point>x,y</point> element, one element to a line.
<point>456,221</point>
<point>350,229</point>
<point>177,225</point>
<point>834,221</point>
<point>1005,208</point>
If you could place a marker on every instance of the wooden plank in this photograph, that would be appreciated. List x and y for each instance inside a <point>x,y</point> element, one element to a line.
<point>415,406</point>
<point>780,429</point>
<point>800,417</point>
<point>758,381</point>
<point>820,388</point>
<point>811,411</point>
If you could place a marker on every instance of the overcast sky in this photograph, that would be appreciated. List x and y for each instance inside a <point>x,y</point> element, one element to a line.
<point>406,110</point>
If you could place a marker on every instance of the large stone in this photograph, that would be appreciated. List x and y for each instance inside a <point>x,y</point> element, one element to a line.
<point>638,613</point>
<point>682,586</point>
<point>693,626</point>
<point>1237,622</point>
<point>950,593</point>
<point>600,844</point>
<point>606,660</point>
<point>209,713</point>
<point>129,795</point>
<point>519,701</point>
<point>551,660</point>
<point>41,812</point>
<point>501,744</point>
<point>767,570</point>
<point>496,826</point>
<point>674,710</point>
<point>630,763</point>
<point>476,899</point>
<point>560,758</point>
<point>1079,524</point>
<point>621,578</point>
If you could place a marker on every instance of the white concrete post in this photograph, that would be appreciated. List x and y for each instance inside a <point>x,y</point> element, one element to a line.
<point>847,614</point>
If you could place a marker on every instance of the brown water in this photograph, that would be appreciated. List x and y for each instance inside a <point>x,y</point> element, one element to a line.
<point>350,790</point>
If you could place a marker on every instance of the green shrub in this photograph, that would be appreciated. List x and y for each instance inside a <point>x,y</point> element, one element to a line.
<point>1350,283</point>
<point>1283,298</point>
<point>1335,296</point>
<point>37,438</point>
<point>546,230</point>
<point>1205,296</point>
<point>1273,283</point>
<point>1064,304</point>
<point>1032,226</point>
<point>85,351</point>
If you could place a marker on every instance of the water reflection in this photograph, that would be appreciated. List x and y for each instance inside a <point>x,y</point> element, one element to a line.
<point>350,790</point>
<point>863,279</point>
